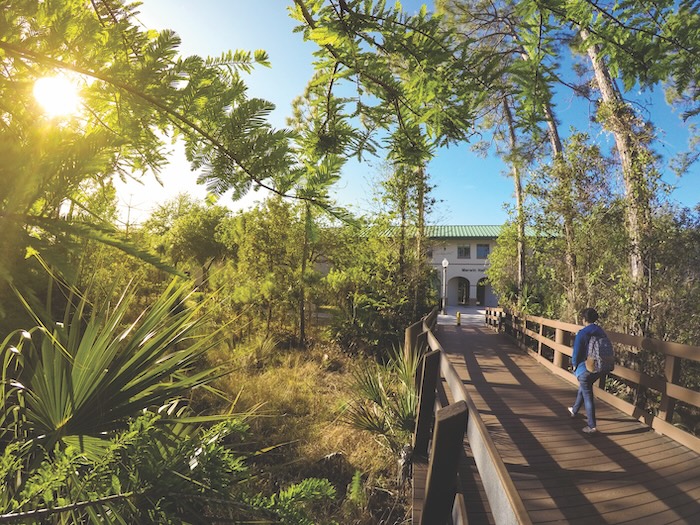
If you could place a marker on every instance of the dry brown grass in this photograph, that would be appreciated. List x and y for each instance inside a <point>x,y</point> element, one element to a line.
<point>302,393</point>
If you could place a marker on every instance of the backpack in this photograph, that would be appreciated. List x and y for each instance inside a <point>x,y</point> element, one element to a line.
<point>601,357</point>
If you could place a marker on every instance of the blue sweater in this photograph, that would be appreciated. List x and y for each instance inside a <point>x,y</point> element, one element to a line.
<point>580,353</point>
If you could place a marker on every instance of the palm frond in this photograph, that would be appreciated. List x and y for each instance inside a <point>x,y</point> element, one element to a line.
<point>385,399</point>
<point>368,385</point>
<point>404,365</point>
<point>82,381</point>
<point>364,417</point>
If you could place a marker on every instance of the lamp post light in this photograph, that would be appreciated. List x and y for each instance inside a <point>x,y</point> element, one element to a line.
<point>445,264</point>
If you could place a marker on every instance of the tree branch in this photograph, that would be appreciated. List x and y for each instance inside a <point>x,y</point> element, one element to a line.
<point>390,92</point>
<point>178,117</point>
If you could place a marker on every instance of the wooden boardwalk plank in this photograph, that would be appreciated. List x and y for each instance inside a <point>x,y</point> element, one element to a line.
<point>624,474</point>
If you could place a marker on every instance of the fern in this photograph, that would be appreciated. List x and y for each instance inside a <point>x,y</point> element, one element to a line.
<point>356,490</point>
<point>292,505</point>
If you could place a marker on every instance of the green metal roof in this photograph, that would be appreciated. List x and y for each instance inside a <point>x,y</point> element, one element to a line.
<point>462,232</point>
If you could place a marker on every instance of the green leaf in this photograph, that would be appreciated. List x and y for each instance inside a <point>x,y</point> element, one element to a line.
<point>324,36</point>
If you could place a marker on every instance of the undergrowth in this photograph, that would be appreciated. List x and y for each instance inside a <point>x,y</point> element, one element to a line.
<point>298,396</point>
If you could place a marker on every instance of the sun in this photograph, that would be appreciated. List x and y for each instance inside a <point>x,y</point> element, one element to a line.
<point>57,95</point>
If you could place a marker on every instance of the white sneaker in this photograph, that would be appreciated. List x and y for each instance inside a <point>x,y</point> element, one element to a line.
<point>589,430</point>
<point>571,411</point>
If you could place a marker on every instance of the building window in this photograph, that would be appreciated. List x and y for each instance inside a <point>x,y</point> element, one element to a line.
<point>482,251</point>
<point>429,252</point>
<point>464,252</point>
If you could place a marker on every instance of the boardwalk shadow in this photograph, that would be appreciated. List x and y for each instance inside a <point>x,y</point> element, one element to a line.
<point>625,432</point>
<point>561,473</point>
<point>526,440</point>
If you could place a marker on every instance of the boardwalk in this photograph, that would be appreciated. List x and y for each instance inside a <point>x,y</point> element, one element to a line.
<point>624,474</point>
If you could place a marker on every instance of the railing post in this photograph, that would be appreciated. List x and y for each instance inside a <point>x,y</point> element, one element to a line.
<point>430,320</point>
<point>410,338</point>
<point>420,346</point>
<point>421,343</point>
<point>518,326</point>
<point>426,402</point>
<point>441,482</point>
<point>672,371</point>
<point>407,342</point>
<point>558,356</point>
<point>459,511</point>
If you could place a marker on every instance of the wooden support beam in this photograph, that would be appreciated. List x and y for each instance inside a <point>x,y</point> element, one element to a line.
<point>441,481</point>
<point>426,402</point>
<point>410,335</point>
<point>672,371</point>
<point>558,339</point>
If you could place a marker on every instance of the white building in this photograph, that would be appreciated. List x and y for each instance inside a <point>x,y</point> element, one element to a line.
<point>459,255</point>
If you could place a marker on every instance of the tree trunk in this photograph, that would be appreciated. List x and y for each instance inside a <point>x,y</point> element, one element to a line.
<point>554,139</point>
<point>420,231</point>
<point>619,120</point>
<point>403,205</point>
<point>520,219</point>
<point>557,154</point>
<point>569,235</point>
<point>302,284</point>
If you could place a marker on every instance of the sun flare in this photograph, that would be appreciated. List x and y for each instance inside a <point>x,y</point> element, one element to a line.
<point>57,95</point>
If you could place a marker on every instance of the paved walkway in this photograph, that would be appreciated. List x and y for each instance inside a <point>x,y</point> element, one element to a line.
<point>469,315</point>
<point>625,474</point>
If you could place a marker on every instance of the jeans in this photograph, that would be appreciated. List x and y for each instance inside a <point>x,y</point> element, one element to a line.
<point>585,396</point>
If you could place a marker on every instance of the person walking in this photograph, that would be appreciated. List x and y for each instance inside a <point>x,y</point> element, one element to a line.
<point>586,379</point>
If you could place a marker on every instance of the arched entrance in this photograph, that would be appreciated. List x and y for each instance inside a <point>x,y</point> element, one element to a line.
<point>462,290</point>
<point>484,294</point>
<point>481,291</point>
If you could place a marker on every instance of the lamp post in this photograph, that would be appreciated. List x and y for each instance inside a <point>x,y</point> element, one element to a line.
<point>445,264</point>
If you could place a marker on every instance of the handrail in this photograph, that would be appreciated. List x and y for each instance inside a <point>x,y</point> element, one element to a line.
<point>534,334</point>
<point>504,500</point>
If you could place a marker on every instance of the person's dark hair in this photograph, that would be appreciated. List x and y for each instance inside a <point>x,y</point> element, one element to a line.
<point>589,315</point>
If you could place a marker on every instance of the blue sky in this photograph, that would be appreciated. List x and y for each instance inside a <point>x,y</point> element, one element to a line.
<point>468,189</point>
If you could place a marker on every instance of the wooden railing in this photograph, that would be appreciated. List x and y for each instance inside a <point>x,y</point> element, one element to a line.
<point>551,342</point>
<point>438,443</point>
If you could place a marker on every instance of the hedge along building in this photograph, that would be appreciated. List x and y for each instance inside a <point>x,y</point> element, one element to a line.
<point>466,251</point>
